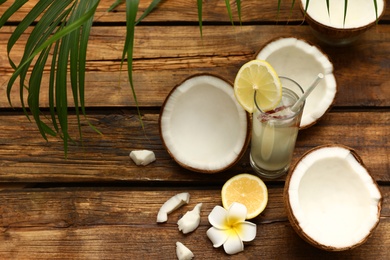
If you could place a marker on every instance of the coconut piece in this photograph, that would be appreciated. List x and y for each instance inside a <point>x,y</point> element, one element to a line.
<point>331,199</point>
<point>182,252</point>
<point>202,126</point>
<point>301,61</point>
<point>172,204</point>
<point>330,25</point>
<point>190,221</point>
<point>142,157</point>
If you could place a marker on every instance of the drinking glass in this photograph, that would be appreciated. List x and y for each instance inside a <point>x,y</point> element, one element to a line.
<point>274,133</point>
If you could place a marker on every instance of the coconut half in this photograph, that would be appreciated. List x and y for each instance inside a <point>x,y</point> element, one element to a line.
<point>202,126</point>
<point>331,26</point>
<point>301,61</point>
<point>331,199</point>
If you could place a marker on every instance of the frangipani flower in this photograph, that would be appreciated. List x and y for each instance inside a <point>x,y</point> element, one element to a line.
<point>230,229</point>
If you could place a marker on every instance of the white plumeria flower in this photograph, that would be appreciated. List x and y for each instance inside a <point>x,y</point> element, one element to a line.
<point>230,229</point>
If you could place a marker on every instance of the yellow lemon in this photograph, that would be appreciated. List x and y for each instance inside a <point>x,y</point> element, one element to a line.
<point>246,189</point>
<point>260,77</point>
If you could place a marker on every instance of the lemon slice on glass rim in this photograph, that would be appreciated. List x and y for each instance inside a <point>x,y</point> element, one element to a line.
<point>257,76</point>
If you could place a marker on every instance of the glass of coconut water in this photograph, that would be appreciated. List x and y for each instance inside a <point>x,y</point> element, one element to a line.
<point>274,133</point>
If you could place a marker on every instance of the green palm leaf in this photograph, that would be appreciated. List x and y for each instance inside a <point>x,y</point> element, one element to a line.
<point>200,16</point>
<point>131,14</point>
<point>64,29</point>
<point>376,11</point>
<point>40,42</point>
<point>150,8</point>
<point>229,10</point>
<point>238,2</point>
<point>114,5</point>
<point>345,10</point>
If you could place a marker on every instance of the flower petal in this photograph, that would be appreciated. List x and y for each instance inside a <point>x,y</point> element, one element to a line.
<point>236,213</point>
<point>218,217</point>
<point>246,231</point>
<point>233,244</point>
<point>217,236</point>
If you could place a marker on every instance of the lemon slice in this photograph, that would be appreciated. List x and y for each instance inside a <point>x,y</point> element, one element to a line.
<point>257,75</point>
<point>246,189</point>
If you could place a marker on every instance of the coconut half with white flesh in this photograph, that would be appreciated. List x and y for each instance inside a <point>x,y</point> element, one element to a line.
<point>336,27</point>
<point>301,61</point>
<point>202,126</point>
<point>331,199</point>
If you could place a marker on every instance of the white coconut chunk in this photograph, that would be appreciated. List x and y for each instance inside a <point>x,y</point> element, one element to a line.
<point>172,204</point>
<point>182,252</point>
<point>301,61</point>
<point>333,198</point>
<point>359,12</point>
<point>202,125</point>
<point>190,221</point>
<point>142,157</point>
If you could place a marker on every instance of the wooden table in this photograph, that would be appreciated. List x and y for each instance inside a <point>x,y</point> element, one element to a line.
<point>98,204</point>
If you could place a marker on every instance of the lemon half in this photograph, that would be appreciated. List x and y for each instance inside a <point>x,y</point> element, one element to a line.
<point>246,189</point>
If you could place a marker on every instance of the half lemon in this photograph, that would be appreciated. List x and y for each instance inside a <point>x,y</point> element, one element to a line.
<point>246,189</point>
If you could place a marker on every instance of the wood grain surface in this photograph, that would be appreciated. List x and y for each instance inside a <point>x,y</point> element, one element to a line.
<point>165,56</point>
<point>97,204</point>
<point>113,223</point>
<point>106,157</point>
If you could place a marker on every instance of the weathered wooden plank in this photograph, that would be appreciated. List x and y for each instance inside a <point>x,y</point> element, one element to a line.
<point>165,56</point>
<point>77,223</point>
<point>186,11</point>
<point>25,157</point>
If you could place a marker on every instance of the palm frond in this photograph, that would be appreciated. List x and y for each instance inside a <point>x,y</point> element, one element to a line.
<point>115,5</point>
<point>238,2</point>
<point>200,16</point>
<point>229,10</point>
<point>131,14</point>
<point>131,22</point>
<point>54,27</point>
<point>10,11</point>
<point>345,10</point>
<point>150,8</point>
<point>328,6</point>
<point>376,11</point>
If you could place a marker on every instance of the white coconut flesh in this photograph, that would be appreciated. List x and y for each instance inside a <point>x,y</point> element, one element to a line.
<point>202,125</point>
<point>301,61</point>
<point>333,198</point>
<point>360,13</point>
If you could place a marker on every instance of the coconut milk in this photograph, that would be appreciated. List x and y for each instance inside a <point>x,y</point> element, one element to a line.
<point>273,137</point>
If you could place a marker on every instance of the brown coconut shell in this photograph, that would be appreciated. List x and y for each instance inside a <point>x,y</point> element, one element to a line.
<point>337,36</point>
<point>323,53</point>
<point>294,222</point>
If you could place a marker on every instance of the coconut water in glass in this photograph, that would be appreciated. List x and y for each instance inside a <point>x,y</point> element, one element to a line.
<point>274,133</point>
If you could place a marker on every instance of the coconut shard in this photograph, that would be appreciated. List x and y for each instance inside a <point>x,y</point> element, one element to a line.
<point>331,199</point>
<point>202,126</point>
<point>302,62</point>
